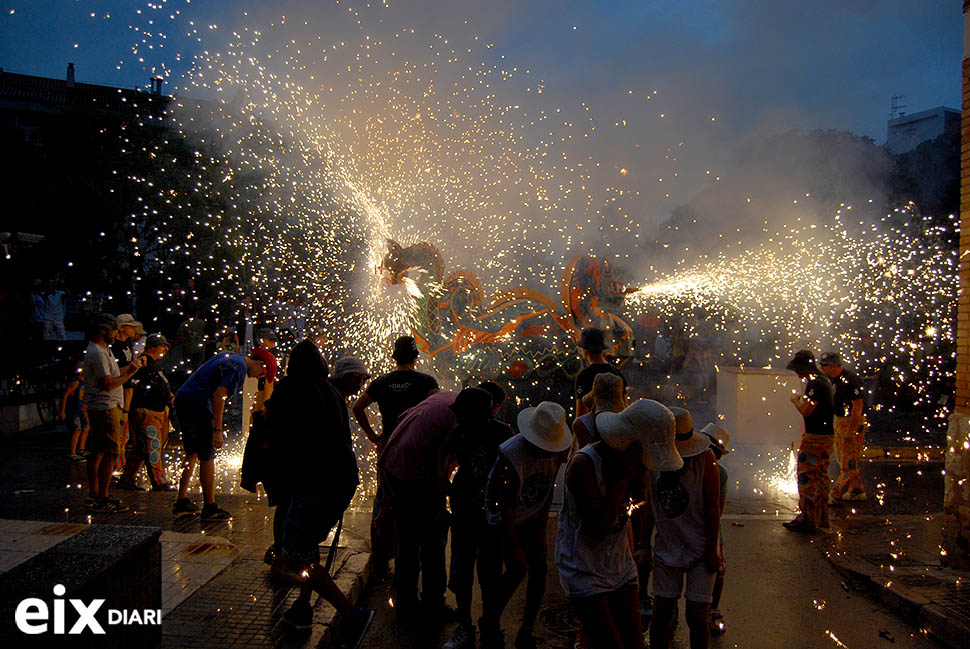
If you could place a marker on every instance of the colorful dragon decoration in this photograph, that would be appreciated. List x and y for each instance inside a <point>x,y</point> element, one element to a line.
<point>521,328</point>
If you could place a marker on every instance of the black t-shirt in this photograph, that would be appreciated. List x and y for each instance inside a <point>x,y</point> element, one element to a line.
<point>124,352</point>
<point>151,388</point>
<point>820,390</point>
<point>476,450</point>
<point>584,381</point>
<point>396,392</point>
<point>848,388</point>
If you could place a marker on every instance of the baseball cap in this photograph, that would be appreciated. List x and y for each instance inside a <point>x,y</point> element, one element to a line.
<point>830,358</point>
<point>156,340</point>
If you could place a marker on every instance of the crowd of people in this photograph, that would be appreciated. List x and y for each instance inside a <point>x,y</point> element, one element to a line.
<point>642,501</point>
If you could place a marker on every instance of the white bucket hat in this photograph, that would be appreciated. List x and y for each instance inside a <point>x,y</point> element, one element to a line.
<point>648,422</point>
<point>545,426</point>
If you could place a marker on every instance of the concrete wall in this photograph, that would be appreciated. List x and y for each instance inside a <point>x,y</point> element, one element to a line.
<point>956,502</point>
<point>756,404</point>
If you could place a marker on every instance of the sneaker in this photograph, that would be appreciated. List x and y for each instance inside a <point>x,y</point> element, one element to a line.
<point>717,622</point>
<point>109,506</point>
<point>299,616</point>
<point>215,513</point>
<point>163,487</point>
<point>128,486</point>
<point>798,525</point>
<point>463,637</point>
<point>855,496</point>
<point>75,458</point>
<point>354,628</point>
<point>184,507</point>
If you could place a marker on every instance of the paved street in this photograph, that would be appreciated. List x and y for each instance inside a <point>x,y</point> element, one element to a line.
<point>780,590</point>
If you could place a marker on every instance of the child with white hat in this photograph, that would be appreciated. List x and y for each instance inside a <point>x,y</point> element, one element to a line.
<point>684,503</point>
<point>517,500</point>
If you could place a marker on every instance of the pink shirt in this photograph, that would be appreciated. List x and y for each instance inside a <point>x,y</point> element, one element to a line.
<point>415,451</point>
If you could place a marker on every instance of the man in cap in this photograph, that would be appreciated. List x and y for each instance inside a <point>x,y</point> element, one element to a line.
<point>124,352</point>
<point>105,398</point>
<point>394,393</point>
<point>200,404</point>
<point>150,403</point>
<point>593,343</point>
<point>849,425</point>
<point>417,466</point>
<point>517,500</point>
<point>684,504</point>
<point>817,407</point>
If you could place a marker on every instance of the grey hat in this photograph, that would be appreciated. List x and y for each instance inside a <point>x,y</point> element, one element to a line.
<point>267,334</point>
<point>104,321</point>
<point>592,339</point>
<point>126,319</point>
<point>830,358</point>
<point>156,340</point>
<point>348,365</point>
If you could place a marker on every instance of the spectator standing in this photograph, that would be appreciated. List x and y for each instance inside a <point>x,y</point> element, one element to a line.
<point>593,555</point>
<point>104,400</point>
<point>75,413</point>
<point>55,309</point>
<point>38,311</point>
<point>817,407</point>
<point>200,404</point>
<point>149,422</point>
<point>394,393</point>
<point>849,425</point>
<point>593,343</point>
<point>417,467</point>
<point>518,497</point>
<point>684,505</point>
<point>124,352</point>
<point>317,469</point>
<point>719,440</point>
<point>476,448</point>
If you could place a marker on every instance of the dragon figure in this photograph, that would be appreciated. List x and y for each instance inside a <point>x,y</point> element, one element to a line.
<point>526,327</point>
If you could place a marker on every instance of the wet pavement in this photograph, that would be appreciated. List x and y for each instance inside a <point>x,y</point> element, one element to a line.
<point>782,589</point>
<point>218,592</point>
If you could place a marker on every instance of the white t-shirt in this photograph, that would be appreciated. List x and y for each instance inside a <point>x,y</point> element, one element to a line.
<point>99,362</point>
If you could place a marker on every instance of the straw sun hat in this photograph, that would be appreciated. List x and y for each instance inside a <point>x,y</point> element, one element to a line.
<point>688,442</point>
<point>648,422</point>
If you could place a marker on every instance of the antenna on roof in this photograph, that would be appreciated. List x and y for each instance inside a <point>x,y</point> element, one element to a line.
<point>896,107</point>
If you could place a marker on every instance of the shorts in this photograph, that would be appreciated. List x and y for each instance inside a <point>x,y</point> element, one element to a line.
<point>105,435</point>
<point>307,525</point>
<point>78,422</point>
<point>668,582</point>
<point>196,428</point>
